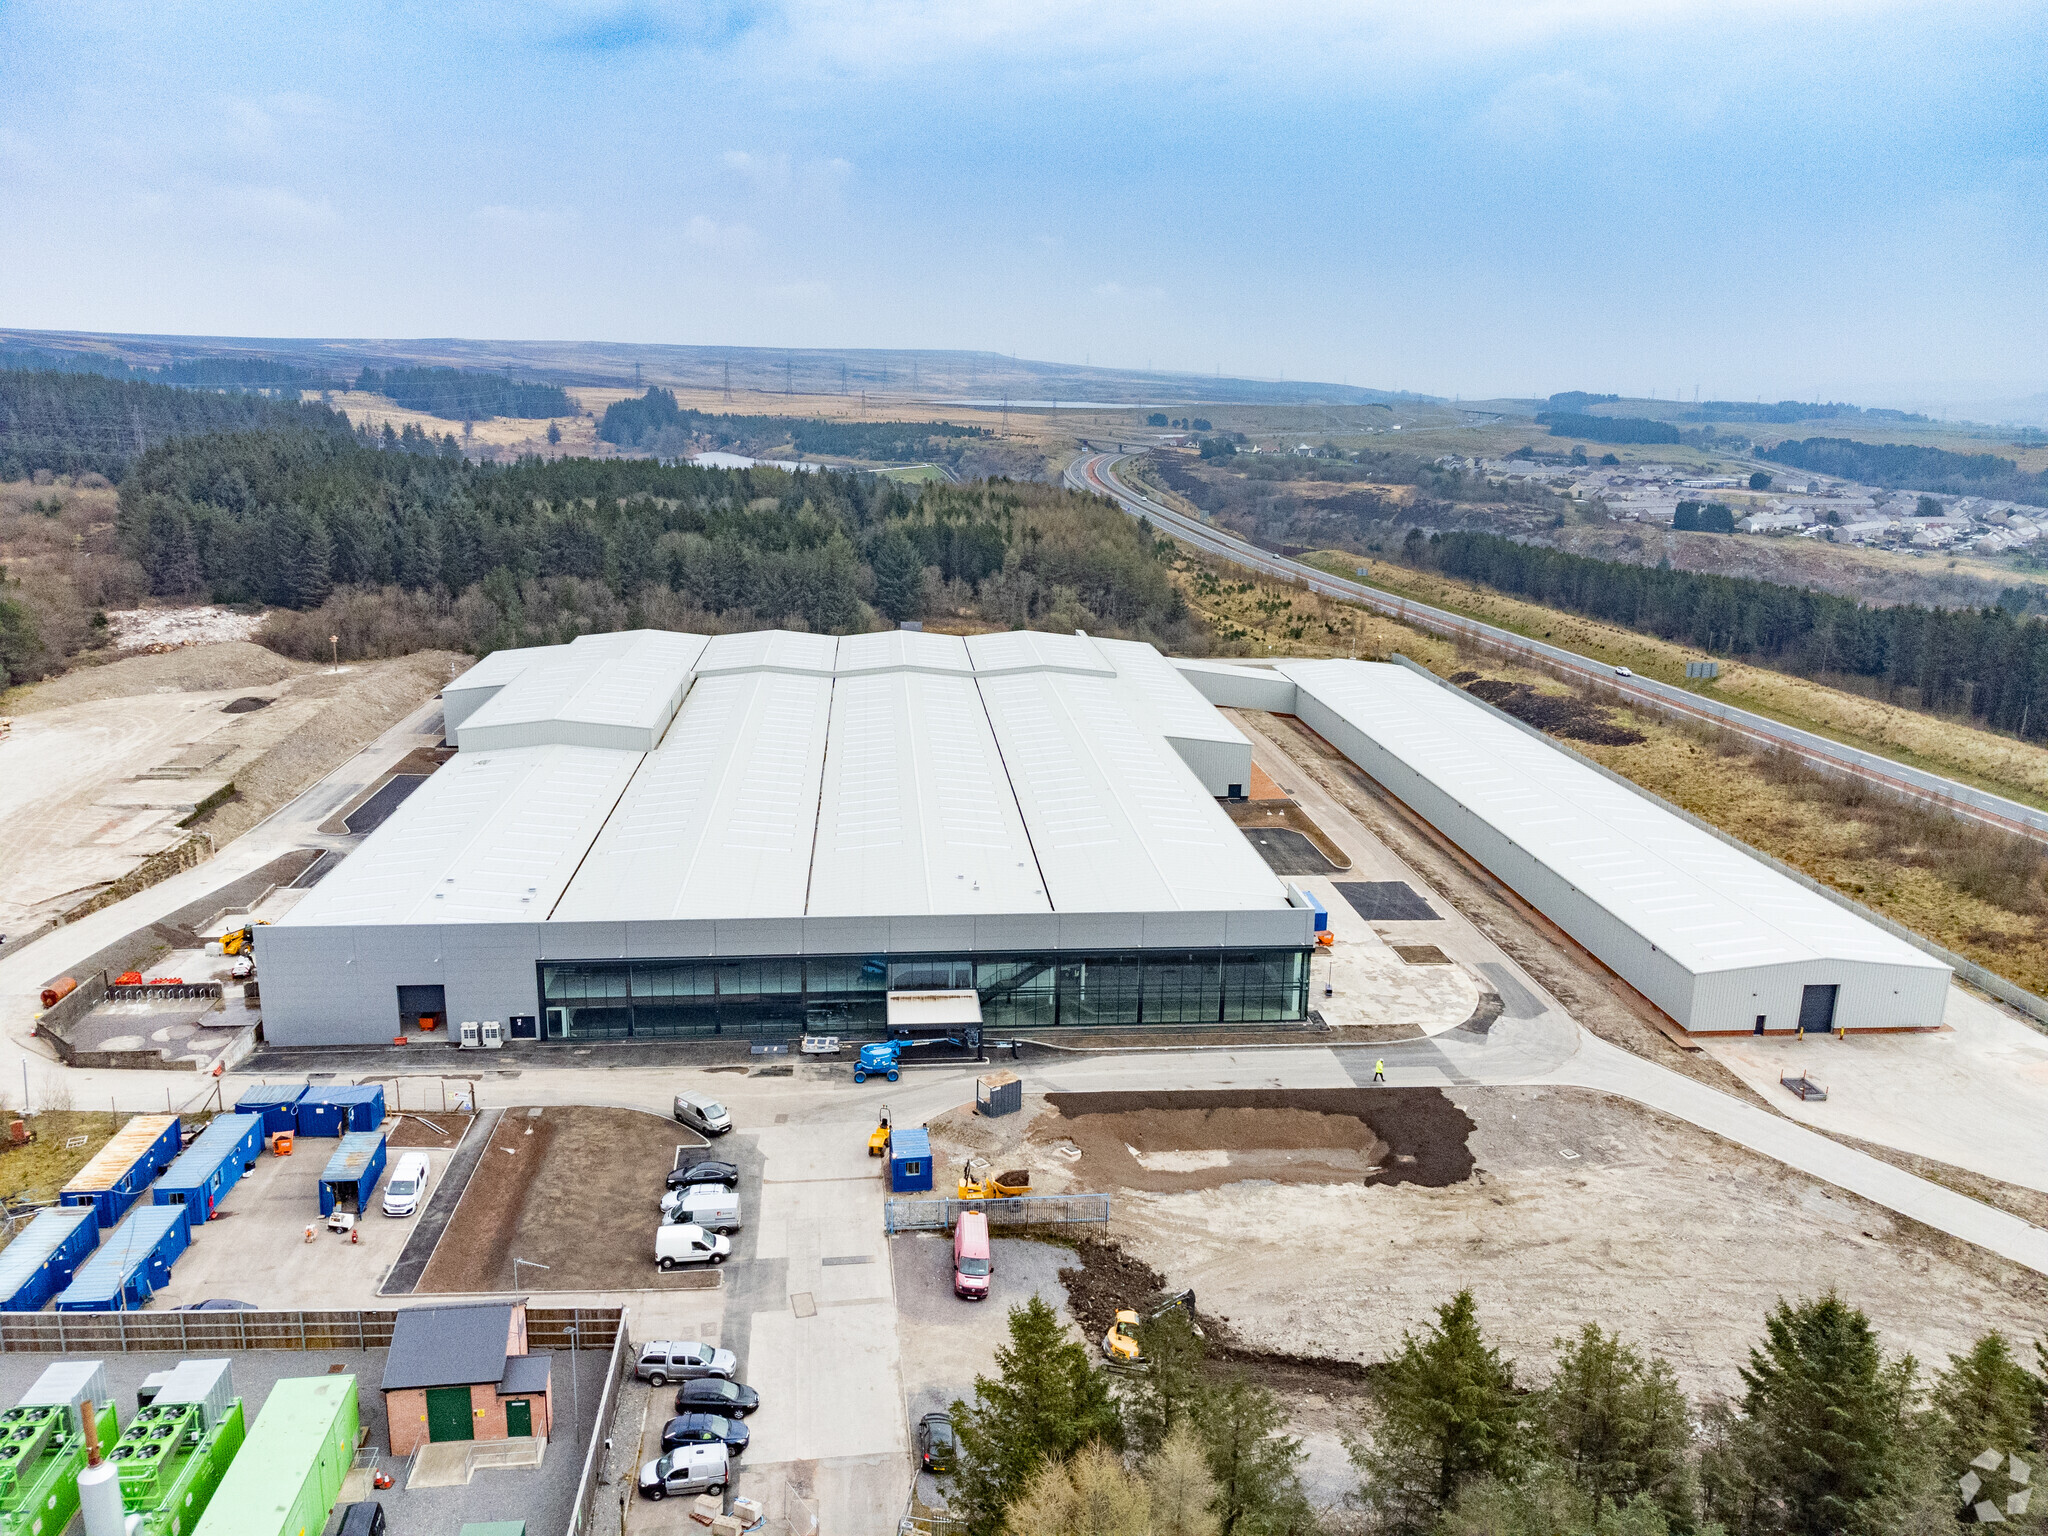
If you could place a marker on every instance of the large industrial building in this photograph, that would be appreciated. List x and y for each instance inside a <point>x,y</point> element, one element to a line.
<point>652,834</point>
<point>1719,940</point>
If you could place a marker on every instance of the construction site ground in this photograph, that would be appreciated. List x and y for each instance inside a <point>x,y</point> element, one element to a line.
<point>105,764</point>
<point>1324,1223</point>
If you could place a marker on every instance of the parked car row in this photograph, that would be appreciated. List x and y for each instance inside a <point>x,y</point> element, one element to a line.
<point>700,1444</point>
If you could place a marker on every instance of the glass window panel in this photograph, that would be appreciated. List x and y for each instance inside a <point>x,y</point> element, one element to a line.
<point>1102,989</point>
<point>1183,989</point>
<point>836,975</point>
<point>1018,992</point>
<point>936,973</point>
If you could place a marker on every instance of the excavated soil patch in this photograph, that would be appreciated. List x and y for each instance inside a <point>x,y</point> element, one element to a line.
<point>1168,1143</point>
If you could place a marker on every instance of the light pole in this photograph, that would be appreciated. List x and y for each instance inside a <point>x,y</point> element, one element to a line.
<point>575,1394</point>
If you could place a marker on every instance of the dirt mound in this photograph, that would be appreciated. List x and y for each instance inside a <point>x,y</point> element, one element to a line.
<point>243,705</point>
<point>190,669</point>
<point>1105,1280</point>
<point>1555,714</point>
<point>1168,1143</point>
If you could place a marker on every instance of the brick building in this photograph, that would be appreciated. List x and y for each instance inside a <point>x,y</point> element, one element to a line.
<point>463,1373</point>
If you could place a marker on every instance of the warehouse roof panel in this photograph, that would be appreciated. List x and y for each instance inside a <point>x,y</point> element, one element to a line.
<point>1169,699</point>
<point>491,836</point>
<point>769,650</point>
<point>1709,906</point>
<point>1119,823</point>
<point>720,821</point>
<point>1029,650</point>
<point>917,814</point>
<point>618,690</point>
<point>892,650</point>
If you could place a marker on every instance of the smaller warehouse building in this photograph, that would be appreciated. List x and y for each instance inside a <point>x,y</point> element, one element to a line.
<point>1719,940</point>
<point>463,1373</point>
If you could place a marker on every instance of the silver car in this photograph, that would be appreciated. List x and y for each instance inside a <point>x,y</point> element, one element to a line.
<point>666,1360</point>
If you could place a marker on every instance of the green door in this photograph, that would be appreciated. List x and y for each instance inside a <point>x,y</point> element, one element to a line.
<point>518,1417</point>
<point>448,1414</point>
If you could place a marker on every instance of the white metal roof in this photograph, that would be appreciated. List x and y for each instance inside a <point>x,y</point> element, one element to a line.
<point>500,668</point>
<point>769,650</point>
<point>1029,650</point>
<point>720,822</point>
<point>602,690</point>
<point>1173,703</point>
<point>1118,821</point>
<point>917,815</point>
<point>1707,905</point>
<point>888,650</point>
<point>490,837</point>
<point>900,784</point>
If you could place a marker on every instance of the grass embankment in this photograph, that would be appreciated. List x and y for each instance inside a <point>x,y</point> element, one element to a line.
<point>1956,749</point>
<point>39,1169</point>
<point>1975,890</point>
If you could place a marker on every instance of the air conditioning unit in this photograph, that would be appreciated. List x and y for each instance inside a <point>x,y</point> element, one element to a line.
<point>493,1035</point>
<point>470,1038</point>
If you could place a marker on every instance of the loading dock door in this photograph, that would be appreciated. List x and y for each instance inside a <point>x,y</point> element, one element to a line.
<point>1817,1010</point>
<point>416,1003</point>
<point>448,1414</point>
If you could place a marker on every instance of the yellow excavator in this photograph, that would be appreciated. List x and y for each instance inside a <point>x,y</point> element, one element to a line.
<point>977,1183</point>
<point>878,1138</point>
<point>1120,1347</point>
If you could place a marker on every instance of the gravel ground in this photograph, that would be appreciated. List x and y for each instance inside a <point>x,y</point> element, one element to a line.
<point>1579,1208</point>
<point>135,628</point>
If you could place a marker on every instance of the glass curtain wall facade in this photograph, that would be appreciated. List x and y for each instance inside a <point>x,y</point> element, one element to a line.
<point>669,999</point>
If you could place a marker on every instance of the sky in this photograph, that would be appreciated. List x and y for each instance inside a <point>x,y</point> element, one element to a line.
<point>1479,198</point>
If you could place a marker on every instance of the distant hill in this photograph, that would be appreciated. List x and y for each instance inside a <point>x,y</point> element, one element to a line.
<point>929,374</point>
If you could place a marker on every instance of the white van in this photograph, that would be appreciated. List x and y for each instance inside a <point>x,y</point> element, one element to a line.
<point>702,1114</point>
<point>688,1244</point>
<point>709,1205</point>
<point>686,1469</point>
<point>407,1186</point>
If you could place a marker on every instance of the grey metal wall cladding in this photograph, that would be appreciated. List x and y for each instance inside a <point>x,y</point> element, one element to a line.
<point>1242,688</point>
<point>339,985</point>
<point>566,733</point>
<point>458,704</point>
<point>1218,764</point>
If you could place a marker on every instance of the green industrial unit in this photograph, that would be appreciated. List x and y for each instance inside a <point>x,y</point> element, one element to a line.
<point>175,1452</point>
<point>42,1448</point>
<point>288,1475</point>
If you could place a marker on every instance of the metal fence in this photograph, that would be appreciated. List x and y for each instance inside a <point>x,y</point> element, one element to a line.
<point>56,1333</point>
<point>1017,1211</point>
<point>594,1453</point>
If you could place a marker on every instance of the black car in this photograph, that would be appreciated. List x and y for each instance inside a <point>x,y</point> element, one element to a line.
<point>706,1172</point>
<point>363,1519</point>
<point>714,1394</point>
<point>704,1429</point>
<point>935,1448</point>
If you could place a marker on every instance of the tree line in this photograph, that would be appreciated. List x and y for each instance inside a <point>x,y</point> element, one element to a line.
<point>1991,663</point>
<point>1907,465</point>
<point>75,422</point>
<point>654,423</point>
<point>1830,1435</point>
<point>249,373</point>
<point>414,544</point>
<point>1607,429</point>
<point>1785,412</point>
<point>465,394</point>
